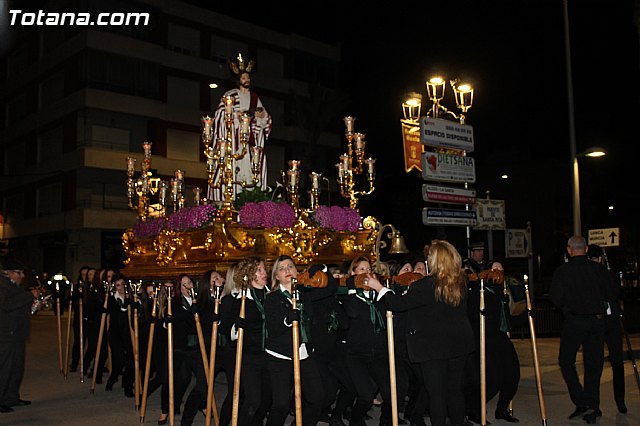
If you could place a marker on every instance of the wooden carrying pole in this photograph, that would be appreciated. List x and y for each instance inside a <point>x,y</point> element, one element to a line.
<point>295,330</point>
<point>136,347</point>
<point>81,320</point>
<point>147,368</point>
<point>536,364</point>
<point>483,359</point>
<point>66,351</point>
<point>103,320</point>
<point>169,288</point>
<point>630,352</point>
<point>392,367</point>
<point>211,401</point>
<point>58,314</point>
<point>239,346</point>
<point>203,349</point>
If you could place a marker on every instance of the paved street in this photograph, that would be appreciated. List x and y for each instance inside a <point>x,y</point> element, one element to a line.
<point>60,402</point>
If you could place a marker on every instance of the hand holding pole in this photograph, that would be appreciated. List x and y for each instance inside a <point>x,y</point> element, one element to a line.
<point>295,327</point>
<point>239,347</point>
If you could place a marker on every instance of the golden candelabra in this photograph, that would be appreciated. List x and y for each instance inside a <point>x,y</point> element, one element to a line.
<point>348,170</point>
<point>145,185</point>
<point>221,157</point>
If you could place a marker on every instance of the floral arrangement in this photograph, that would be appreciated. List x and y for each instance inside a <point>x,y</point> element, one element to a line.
<point>191,217</point>
<point>182,220</point>
<point>337,218</point>
<point>267,214</point>
<point>149,228</point>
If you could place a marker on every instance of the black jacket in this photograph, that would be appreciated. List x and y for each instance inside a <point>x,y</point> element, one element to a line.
<point>15,307</point>
<point>581,286</point>
<point>435,330</point>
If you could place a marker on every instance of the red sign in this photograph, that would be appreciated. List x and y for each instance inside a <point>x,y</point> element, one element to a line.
<point>412,147</point>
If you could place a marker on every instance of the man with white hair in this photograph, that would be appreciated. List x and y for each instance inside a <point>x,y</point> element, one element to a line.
<point>580,287</point>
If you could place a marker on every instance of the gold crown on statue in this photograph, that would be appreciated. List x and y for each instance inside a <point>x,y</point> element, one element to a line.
<point>240,65</point>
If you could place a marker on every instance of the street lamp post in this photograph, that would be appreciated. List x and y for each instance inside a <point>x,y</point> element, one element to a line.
<point>594,152</point>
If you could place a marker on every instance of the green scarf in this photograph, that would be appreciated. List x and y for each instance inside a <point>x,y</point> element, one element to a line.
<point>304,320</point>
<point>374,314</point>
<point>260,307</point>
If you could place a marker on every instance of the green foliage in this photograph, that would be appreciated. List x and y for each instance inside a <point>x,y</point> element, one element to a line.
<point>253,195</point>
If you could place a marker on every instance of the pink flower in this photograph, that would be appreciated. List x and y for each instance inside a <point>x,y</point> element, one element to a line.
<point>338,218</point>
<point>267,214</point>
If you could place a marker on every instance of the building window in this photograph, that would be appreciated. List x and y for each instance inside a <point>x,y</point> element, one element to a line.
<point>17,109</point>
<point>121,74</point>
<point>49,199</point>
<point>183,145</point>
<point>110,138</point>
<point>183,93</point>
<point>183,40</point>
<point>223,49</point>
<point>52,89</point>
<point>13,208</point>
<point>14,157</point>
<point>50,144</point>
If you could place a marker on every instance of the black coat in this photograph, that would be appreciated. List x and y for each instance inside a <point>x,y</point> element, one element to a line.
<point>435,330</point>
<point>15,307</point>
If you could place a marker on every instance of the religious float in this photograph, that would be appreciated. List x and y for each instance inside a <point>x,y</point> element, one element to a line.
<point>171,238</point>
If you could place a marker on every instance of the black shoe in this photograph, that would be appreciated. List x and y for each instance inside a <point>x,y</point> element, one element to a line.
<point>591,417</point>
<point>475,418</point>
<point>109,386</point>
<point>163,421</point>
<point>506,416</point>
<point>5,409</point>
<point>336,421</point>
<point>73,369</point>
<point>98,380</point>
<point>128,392</point>
<point>21,403</point>
<point>578,412</point>
<point>621,407</point>
<point>402,421</point>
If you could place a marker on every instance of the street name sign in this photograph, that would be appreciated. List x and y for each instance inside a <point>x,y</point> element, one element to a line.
<point>448,167</point>
<point>437,216</point>
<point>447,194</point>
<point>446,134</point>
<point>605,237</point>
<point>491,214</point>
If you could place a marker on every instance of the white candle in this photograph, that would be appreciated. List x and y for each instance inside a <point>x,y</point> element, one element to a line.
<point>348,121</point>
<point>371,162</point>
<point>131,164</point>
<point>207,122</point>
<point>360,142</point>
<point>223,149</point>
<point>346,162</point>
<point>246,123</point>
<point>257,155</point>
<point>147,149</point>
<point>228,104</point>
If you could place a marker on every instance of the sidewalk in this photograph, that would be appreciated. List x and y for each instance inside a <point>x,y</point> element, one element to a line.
<point>68,402</point>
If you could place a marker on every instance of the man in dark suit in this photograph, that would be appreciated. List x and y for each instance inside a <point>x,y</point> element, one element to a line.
<point>580,287</point>
<point>15,308</point>
<point>612,335</point>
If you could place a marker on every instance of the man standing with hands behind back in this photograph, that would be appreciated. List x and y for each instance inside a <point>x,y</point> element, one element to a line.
<point>15,307</point>
<point>580,288</point>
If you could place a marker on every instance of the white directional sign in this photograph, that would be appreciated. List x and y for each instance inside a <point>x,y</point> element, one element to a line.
<point>447,194</point>
<point>491,214</point>
<point>516,242</point>
<point>446,134</point>
<point>448,167</point>
<point>436,216</point>
<point>605,237</point>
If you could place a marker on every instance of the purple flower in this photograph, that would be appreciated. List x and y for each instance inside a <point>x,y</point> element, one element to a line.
<point>338,218</point>
<point>149,228</point>
<point>191,217</point>
<point>267,214</point>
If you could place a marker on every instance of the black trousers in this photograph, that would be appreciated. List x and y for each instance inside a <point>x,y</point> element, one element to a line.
<point>370,373</point>
<point>93,329</point>
<point>122,361</point>
<point>198,393</point>
<point>182,368</point>
<point>503,374</point>
<point>12,354</point>
<point>229,364</point>
<point>281,376</point>
<point>256,389</point>
<point>443,379</point>
<point>613,339</point>
<point>586,331</point>
<point>346,394</point>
